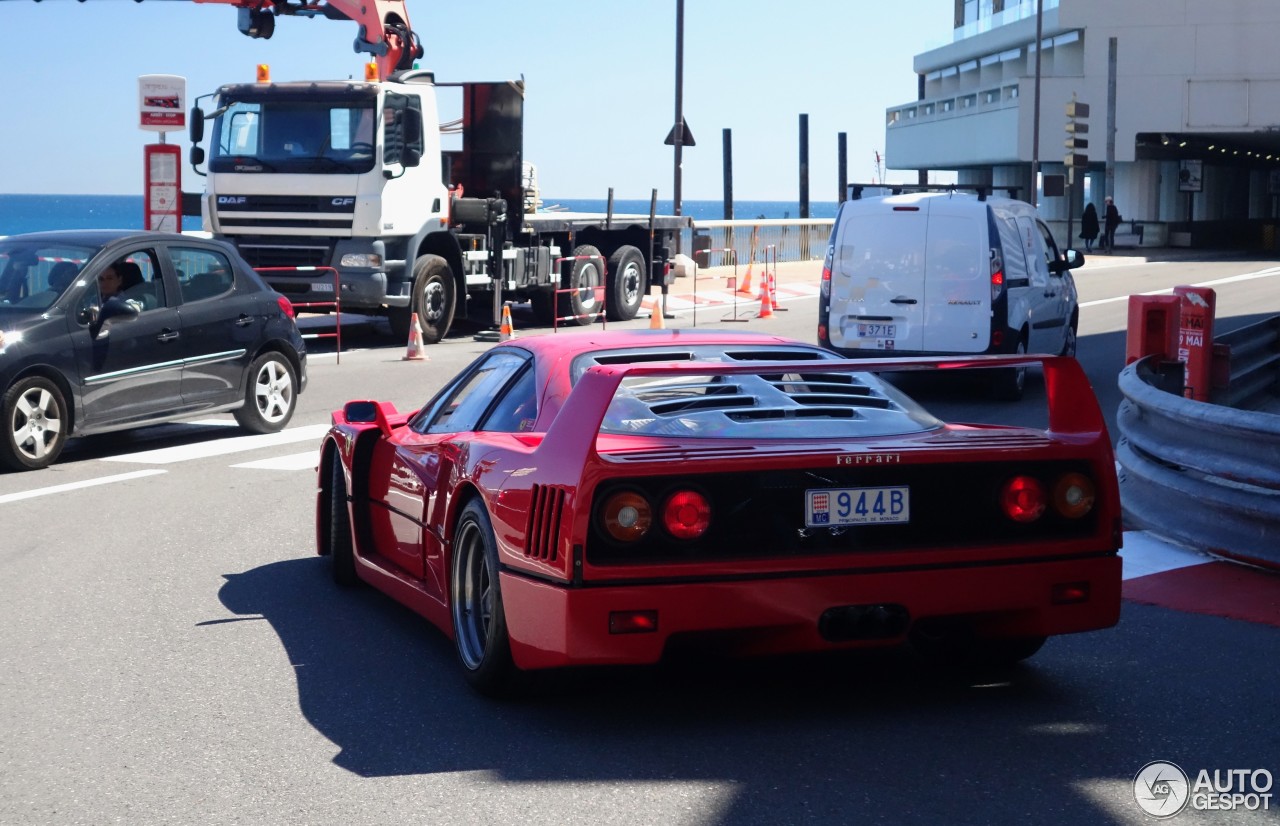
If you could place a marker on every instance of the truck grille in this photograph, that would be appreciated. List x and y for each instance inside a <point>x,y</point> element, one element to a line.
<point>262,253</point>
<point>317,212</point>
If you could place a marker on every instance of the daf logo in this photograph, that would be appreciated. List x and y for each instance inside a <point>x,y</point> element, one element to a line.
<point>232,199</point>
<point>343,202</point>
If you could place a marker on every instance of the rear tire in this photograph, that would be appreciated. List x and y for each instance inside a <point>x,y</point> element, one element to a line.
<point>1008,383</point>
<point>585,274</point>
<point>35,424</point>
<point>270,396</point>
<point>953,644</point>
<point>475,596</point>
<point>627,284</point>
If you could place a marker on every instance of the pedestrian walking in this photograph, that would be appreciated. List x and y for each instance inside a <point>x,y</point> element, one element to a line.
<point>1089,226</point>
<point>1111,220</point>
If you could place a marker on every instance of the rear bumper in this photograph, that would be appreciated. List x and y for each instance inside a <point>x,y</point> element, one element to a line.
<point>552,626</point>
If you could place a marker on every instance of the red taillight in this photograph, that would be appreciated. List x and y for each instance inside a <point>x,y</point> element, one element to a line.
<point>997,273</point>
<point>1069,593</point>
<point>686,514</point>
<point>286,305</point>
<point>626,516</point>
<point>1022,499</point>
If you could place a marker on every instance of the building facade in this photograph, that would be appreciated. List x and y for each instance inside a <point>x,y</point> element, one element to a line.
<point>1184,111</point>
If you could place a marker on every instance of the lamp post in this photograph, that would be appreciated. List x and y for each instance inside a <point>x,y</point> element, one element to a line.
<point>678,131</point>
<point>1035,125</point>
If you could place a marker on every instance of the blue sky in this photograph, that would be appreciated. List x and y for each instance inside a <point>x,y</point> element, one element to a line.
<point>600,84</point>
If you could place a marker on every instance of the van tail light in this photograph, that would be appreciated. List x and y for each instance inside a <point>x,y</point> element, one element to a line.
<point>997,274</point>
<point>824,286</point>
<point>286,305</point>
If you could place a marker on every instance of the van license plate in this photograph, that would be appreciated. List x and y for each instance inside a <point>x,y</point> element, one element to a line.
<point>322,286</point>
<point>832,507</point>
<point>877,331</point>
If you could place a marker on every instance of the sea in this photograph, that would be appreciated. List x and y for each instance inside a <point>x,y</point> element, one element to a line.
<point>33,213</point>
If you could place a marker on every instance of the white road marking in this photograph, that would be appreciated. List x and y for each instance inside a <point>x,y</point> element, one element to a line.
<point>294,461</point>
<point>1249,276</point>
<point>220,447</point>
<point>1144,554</point>
<point>88,483</point>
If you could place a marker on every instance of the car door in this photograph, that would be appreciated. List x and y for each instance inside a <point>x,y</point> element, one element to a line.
<point>877,276</point>
<point>222,324</point>
<point>957,292</point>
<point>412,477</point>
<point>131,365</point>
<point>1034,306</point>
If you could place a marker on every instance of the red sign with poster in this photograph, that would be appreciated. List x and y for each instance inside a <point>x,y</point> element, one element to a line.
<point>1195,338</point>
<point>162,199</point>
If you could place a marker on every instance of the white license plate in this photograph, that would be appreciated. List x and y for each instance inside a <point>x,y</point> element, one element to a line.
<point>322,287</point>
<point>833,507</point>
<point>877,331</point>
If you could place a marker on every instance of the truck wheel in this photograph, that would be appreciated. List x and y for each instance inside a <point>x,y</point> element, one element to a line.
<point>434,298</point>
<point>627,284</point>
<point>586,272</point>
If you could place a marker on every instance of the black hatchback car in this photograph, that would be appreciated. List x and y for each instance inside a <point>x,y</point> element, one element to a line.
<point>191,330</point>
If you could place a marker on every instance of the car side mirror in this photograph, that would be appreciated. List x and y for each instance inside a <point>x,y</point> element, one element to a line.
<point>116,307</point>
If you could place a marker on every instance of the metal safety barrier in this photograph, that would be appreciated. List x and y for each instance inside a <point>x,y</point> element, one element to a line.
<point>1253,364</point>
<point>1203,475</point>
<point>335,305</point>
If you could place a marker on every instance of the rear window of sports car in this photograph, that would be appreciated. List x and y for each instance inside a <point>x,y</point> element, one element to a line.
<point>771,404</point>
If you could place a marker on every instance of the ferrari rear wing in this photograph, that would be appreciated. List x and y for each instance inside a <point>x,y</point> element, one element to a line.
<point>1073,410</point>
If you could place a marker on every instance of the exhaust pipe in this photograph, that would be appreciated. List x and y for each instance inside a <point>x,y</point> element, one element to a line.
<point>863,622</point>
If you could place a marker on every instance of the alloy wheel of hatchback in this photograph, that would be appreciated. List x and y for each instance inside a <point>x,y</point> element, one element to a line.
<point>271,395</point>
<point>36,423</point>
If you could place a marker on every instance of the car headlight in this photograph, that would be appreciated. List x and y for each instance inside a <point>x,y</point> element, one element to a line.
<point>8,338</point>
<point>367,259</point>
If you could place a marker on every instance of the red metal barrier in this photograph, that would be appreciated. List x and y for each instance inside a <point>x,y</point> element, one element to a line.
<point>597,292</point>
<point>1153,327</point>
<point>335,304</point>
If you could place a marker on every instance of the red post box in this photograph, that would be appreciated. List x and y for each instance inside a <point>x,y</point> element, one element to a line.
<point>1195,339</point>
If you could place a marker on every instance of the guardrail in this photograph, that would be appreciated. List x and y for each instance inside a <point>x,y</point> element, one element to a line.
<point>738,241</point>
<point>1200,474</point>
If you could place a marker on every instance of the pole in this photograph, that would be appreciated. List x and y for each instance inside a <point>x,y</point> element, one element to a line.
<point>1110,188</point>
<point>804,167</point>
<point>727,142</point>
<point>679,128</point>
<point>1035,125</point>
<point>842,166</point>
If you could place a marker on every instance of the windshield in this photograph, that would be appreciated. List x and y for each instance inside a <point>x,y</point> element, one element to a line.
<point>314,136</point>
<point>33,276</point>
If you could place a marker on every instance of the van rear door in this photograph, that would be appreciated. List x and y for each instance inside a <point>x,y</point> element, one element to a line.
<point>957,267</point>
<point>877,275</point>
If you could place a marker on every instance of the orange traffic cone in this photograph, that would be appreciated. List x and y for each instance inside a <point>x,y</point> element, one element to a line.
<point>415,351</point>
<point>766,305</point>
<point>745,287</point>
<point>506,332</point>
<point>656,321</point>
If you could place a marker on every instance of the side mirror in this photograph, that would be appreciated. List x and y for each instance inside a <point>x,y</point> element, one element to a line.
<point>117,307</point>
<point>197,124</point>
<point>197,155</point>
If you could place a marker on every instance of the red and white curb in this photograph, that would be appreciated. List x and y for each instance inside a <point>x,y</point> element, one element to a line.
<point>1160,573</point>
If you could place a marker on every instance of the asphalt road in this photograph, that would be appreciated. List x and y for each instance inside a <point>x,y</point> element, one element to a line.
<point>172,651</point>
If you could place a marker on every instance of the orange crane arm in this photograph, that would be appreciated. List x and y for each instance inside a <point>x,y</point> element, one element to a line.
<point>384,25</point>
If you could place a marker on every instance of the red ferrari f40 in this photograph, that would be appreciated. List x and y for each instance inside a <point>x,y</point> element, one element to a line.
<point>592,498</point>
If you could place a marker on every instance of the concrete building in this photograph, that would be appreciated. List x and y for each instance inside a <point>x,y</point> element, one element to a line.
<point>1184,111</point>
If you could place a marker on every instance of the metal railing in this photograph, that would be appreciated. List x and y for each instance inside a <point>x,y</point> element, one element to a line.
<point>740,241</point>
<point>1206,475</point>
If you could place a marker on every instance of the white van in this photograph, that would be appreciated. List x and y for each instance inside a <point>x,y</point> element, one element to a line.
<point>946,273</point>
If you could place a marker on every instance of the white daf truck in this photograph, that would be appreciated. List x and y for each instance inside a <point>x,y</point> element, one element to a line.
<point>351,175</point>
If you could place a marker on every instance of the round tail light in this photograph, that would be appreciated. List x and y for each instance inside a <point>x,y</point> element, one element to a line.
<point>627,516</point>
<point>1023,499</point>
<point>686,514</point>
<point>1074,495</point>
